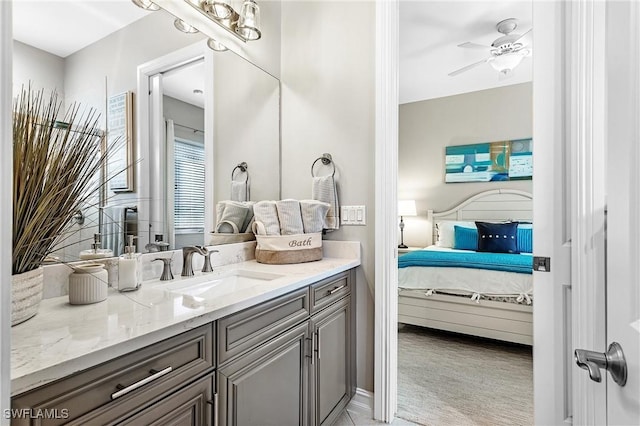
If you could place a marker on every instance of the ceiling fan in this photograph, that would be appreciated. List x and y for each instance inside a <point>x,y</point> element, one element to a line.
<point>506,52</point>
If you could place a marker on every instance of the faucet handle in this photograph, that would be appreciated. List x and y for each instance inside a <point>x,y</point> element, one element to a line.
<point>207,260</point>
<point>167,274</point>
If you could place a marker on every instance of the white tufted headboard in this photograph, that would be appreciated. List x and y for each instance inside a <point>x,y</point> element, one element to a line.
<point>492,206</point>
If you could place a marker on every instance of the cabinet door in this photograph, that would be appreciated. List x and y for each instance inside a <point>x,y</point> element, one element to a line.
<point>267,386</point>
<point>332,363</point>
<point>191,406</point>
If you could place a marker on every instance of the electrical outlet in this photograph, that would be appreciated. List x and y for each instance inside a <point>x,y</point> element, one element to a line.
<point>353,215</point>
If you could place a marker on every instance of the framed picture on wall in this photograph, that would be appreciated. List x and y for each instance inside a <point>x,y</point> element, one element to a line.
<point>489,161</point>
<point>119,171</point>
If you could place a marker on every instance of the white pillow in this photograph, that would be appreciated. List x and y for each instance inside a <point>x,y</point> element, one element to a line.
<point>446,231</point>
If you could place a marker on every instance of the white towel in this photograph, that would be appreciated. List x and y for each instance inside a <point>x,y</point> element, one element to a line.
<point>232,217</point>
<point>248,221</point>
<point>266,218</point>
<point>290,217</point>
<point>113,227</point>
<point>314,215</point>
<point>323,188</point>
<point>239,191</point>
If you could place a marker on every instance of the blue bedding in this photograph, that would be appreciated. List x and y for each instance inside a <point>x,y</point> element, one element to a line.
<point>518,263</point>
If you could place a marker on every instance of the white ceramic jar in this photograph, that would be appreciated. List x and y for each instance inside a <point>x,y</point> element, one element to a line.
<point>88,284</point>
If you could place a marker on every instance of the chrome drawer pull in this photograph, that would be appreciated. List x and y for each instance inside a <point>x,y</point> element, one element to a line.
<point>337,289</point>
<point>125,390</point>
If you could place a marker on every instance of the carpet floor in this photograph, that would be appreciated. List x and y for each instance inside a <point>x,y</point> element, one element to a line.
<point>453,379</point>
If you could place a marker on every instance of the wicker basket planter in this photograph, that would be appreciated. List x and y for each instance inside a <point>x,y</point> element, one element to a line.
<point>26,294</point>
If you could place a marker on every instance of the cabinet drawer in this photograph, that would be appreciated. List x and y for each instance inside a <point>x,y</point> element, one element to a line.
<point>116,389</point>
<point>329,290</point>
<point>244,330</point>
<point>189,406</point>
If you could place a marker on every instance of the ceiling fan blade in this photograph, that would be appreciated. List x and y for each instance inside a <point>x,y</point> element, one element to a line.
<point>468,67</point>
<point>523,34</point>
<point>472,45</point>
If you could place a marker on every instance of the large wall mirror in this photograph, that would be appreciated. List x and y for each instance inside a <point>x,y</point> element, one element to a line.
<point>208,113</point>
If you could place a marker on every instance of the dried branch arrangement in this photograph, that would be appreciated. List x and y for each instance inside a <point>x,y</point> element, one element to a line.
<point>56,169</point>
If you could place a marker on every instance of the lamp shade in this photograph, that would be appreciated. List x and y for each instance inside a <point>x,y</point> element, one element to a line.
<point>407,208</point>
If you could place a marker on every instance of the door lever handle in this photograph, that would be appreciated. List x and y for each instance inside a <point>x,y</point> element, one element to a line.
<point>613,361</point>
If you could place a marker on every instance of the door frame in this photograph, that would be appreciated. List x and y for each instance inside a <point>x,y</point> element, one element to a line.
<point>556,96</point>
<point>6,213</point>
<point>149,191</point>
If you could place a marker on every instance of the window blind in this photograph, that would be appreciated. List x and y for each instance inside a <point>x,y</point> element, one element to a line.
<point>189,186</point>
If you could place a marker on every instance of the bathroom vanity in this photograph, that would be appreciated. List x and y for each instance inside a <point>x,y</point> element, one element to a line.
<point>276,347</point>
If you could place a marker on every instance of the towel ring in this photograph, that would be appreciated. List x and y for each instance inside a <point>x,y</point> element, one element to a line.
<point>243,169</point>
<point>326,160</point>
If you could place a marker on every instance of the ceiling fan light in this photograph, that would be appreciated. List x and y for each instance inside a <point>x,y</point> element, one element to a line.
<point>507,62</point>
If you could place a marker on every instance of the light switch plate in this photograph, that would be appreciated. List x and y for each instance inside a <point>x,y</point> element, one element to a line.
<point>353,215</point>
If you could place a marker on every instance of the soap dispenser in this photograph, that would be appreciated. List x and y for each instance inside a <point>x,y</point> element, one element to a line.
<point>129,268</point>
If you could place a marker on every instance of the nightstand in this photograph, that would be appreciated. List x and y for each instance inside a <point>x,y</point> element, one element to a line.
<point>402,251</point>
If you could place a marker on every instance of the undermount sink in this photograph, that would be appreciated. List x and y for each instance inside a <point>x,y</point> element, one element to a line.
<point>196,290</point>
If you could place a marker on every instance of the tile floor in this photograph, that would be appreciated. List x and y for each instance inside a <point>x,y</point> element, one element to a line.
<point>352,418</point>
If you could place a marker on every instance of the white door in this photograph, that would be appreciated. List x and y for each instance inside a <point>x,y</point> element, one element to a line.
<point>613,395</point>
<point>623,202</point>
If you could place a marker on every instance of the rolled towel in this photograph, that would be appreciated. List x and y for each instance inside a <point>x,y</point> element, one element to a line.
<point>314,214</point>
<point>323,188</point>
<point>232,217</point>
<point>266,218</point>
<point>290,217</point>
<point>246,226</point>
<point>239,191</point>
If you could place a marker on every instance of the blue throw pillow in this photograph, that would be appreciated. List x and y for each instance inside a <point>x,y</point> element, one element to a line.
<point>465,238</point>
<point>525,239</point>
<point>498,237</point>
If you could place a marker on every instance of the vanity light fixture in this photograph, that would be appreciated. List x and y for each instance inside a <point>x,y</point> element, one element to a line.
<point>245,25</point>
<point>184,27</point>
<point>216,45</point>
<point>146,5</point>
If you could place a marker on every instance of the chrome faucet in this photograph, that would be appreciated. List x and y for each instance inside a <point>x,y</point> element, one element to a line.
<point>187,253</point>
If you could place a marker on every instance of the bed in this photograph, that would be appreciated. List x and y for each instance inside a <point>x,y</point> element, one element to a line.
<point>453,285</point>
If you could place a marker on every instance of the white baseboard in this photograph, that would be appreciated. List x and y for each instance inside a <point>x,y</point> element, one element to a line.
<point>362,403</point>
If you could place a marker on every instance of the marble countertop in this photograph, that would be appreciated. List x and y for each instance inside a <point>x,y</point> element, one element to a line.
<point>63,339</point>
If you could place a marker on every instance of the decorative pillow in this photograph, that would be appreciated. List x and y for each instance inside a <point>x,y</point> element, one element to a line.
<point>465,238</point>
<point>446,236</point>
<point>525,239</point>
<point>498,237</point>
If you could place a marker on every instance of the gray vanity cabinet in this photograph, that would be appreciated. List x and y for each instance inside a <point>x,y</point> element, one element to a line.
<point>189,406</point>
<point>331,367</point>
<point>289,361</point>
<point>139,382</point>
<point>268,386</point>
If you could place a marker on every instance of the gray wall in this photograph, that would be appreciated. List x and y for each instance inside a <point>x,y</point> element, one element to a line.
<point>42,69</point>
<point>328,105</point>
<point>427,127</point>
<point>246,116</point>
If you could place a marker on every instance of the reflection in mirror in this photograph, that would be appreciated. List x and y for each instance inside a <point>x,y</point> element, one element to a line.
<point>242,126</point>
<point>104,65</point>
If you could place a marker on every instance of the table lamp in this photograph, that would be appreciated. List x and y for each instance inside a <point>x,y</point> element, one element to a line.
<point>405,208</point>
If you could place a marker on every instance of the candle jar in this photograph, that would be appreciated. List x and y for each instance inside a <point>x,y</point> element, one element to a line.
<point>88,284</point>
